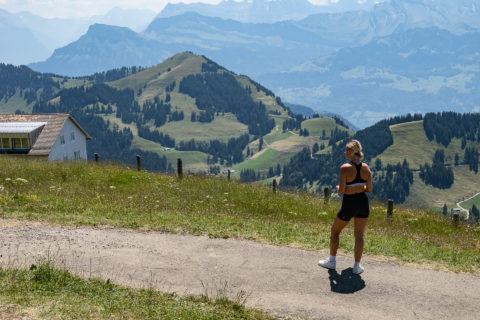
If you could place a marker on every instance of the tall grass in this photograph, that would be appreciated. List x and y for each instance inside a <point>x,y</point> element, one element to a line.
<point>89,194</point>
<point>49,293</point>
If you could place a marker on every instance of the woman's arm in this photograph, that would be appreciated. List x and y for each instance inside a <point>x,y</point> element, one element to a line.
<point>368,187</point>
<point>342,180</point>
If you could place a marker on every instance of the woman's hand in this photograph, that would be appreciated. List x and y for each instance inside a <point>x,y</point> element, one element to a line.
<point>337,187</point>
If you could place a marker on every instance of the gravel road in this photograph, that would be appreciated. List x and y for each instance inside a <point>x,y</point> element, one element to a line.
<point>281,280</point>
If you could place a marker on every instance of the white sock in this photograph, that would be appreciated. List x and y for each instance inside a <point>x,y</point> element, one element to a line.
<point>332,259</point>
<point>356,264</point>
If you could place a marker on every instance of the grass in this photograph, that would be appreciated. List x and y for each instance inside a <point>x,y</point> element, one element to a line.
<point>269,158</point>
<point>469,203</point>
<point>316,126</point>
<point>221,128</point>
<point>88,194</point>
<point>15,102</point>
<point>421,195</point>
<point>410,141</point>
<point>50,293</point>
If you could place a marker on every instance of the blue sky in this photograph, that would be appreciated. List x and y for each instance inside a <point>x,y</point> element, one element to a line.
<point>88,8</point>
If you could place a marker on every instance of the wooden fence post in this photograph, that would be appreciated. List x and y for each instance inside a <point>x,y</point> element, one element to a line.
<point>139,164</point>
<point>179,168</point>
<point>390,208</point>
<point>326,195</point>
<point>228,175</point>
<point>455,216</point>
<point>96,157</point>
<point>274,185</point>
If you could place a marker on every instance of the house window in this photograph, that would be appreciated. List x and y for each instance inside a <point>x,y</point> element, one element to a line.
<point>76,155</point>
<point>72,136</point>
<point>62,139</point>
<point>16,143</point>
<point>6,143</point>
<point>25,143</point>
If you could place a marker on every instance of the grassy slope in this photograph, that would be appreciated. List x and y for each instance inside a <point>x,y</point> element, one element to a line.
<point>18,102</point>
<point>222,128</point>
<point>317,125</point>
<point>269,158</point>
<point>410,142</point>
<point>422,195</point>
<point>81,194</point>
<point>15,102</point>
<point>469,203</point>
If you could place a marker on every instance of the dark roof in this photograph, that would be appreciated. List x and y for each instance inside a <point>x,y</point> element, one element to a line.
<point>49,134</point>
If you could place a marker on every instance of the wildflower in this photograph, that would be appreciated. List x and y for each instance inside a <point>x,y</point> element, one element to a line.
<point>2,188</point>
<point>21,180</point>
<point>323,213</point>
<point>130,197</point>
<point>113,187</point>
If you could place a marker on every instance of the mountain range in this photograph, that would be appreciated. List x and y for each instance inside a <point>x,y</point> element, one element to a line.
<point>33,38</point>
<point>400,56</point>
<point>265,11</point>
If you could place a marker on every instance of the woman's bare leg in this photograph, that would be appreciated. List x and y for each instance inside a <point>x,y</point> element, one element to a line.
<point>337,227</point>
<point>360,225</point>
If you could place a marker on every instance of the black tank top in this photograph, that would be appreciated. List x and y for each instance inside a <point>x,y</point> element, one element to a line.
<point>358,178</point>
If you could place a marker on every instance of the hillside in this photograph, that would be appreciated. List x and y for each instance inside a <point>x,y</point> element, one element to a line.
<point>411,143</point>
<point>417,163</point>
<point>209,115</point>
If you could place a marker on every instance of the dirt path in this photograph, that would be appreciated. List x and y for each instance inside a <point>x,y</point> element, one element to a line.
<point>281,280</point>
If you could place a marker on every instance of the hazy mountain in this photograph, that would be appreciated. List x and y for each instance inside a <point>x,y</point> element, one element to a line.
<point>19,44</point>
<point>104,47</point>
<point>419,70</point>
<point>55,33</point>
<point>245,48</point>
<point>264,11</point>
<point>135,19</point>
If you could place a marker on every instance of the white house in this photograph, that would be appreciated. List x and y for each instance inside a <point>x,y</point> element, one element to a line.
<point>54,136</point>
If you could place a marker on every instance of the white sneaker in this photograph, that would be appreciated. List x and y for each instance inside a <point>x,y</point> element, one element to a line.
<point>357,269</point>
<point>327,264</point>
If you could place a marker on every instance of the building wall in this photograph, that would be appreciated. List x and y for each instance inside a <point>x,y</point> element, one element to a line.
<point>67,151</point>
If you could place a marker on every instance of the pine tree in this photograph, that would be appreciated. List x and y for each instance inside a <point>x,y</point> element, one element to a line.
<point>475,213</point>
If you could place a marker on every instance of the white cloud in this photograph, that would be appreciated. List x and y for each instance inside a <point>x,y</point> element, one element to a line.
<point>476,109</point>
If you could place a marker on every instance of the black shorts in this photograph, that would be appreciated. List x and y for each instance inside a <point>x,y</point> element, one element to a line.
<point>354,206</point>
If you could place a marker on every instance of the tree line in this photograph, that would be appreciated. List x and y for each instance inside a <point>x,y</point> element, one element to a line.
<point>221,92</point>
<point>231,151</point>
<point>444,126</point>
<point>26,80</point>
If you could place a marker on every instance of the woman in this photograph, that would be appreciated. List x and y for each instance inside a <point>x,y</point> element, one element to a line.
<point>355,180</point>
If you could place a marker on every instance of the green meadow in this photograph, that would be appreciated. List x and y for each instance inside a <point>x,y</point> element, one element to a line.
<point>104,194</point>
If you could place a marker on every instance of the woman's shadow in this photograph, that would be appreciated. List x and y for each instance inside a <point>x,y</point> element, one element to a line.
<point>347,282</point>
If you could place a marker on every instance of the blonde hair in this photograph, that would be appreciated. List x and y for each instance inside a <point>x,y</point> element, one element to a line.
<point>356,147</point>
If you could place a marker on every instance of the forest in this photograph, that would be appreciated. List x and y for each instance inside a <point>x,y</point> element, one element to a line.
<point>221,92</point>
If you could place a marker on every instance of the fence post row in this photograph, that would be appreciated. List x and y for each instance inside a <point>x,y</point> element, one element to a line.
<point>96,157</point>
<point>139,165</point>
<point>390,208</point>
<point>179,168</point>
<point>326,195</point>
<point>274,185</point>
